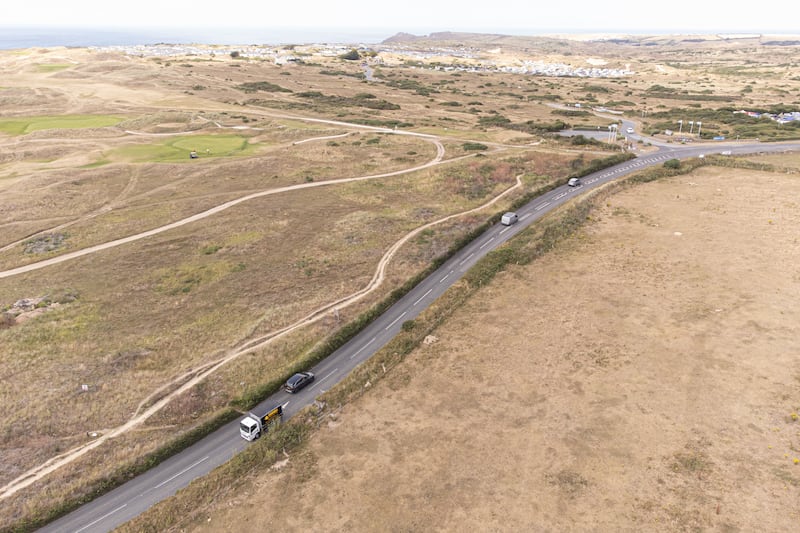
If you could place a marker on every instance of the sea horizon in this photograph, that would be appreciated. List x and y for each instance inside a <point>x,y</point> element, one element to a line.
<point>21,37</point>
<point>44,37</point>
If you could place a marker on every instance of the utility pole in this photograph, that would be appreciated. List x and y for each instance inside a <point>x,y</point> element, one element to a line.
<point>691,127</point>
<point>680,127</point>
<point>698,128</point>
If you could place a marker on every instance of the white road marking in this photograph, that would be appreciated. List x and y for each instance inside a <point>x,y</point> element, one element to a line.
<point>90,524</point>
<point>562,195</point>
<point>370,341</point>
<point>542,205</point>
<point>446,276</point>
<point>486,243</point>
<point>505,229</point>
<point>332,372</point>
<point>415,303</point>
<point>523,216</point>
<point>396,319</point>
<point>466,259</point>
<point>181,472</point>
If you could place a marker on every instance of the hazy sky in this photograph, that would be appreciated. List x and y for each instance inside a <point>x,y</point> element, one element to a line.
<point>487,16</point>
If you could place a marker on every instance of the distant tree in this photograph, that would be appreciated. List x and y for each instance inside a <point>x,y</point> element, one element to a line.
<point>235,54</point>
<point>672,163</point>
<point>352,55</point>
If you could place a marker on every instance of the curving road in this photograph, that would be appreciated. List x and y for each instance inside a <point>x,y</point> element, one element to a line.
<point>129,500</point>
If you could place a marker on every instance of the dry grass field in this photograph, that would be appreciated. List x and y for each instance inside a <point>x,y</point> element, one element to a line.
<point>642,378</point>
<point>94,146</point>
<point>133,322</point>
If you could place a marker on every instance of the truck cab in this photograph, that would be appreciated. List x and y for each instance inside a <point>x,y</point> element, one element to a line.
<point>249,429</point>
<point>252,426</point>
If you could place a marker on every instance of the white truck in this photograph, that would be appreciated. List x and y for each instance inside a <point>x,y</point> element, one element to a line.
<point>252,426</point>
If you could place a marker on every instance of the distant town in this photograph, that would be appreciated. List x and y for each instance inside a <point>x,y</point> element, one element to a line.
<point>433,58</point>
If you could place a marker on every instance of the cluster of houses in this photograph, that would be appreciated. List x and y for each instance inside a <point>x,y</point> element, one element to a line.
<point>780,118</point>
<point>437,56</point>
<point>539,68</point>
<point>190,50</point>
<point>560,69</point>
<point>477,64</point>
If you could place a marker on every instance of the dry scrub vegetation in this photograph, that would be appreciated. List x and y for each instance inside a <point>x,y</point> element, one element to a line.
<point>141,315</point>
<point>641,377</point>
<point>95,146</point>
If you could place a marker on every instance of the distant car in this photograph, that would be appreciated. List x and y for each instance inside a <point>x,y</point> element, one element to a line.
<point>726,152</point>
<point>298,381</point>
<point>509,218</point>
<point>574,182</point>
<point>629,130</point>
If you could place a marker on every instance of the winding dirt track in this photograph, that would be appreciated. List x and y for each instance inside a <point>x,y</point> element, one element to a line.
<point>186,381</point>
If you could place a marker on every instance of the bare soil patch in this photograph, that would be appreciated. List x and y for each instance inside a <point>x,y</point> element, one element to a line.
<point>643,377</point>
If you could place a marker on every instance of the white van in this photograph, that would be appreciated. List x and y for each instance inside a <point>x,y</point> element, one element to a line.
<point>509,218</point>
<point>574,182</point>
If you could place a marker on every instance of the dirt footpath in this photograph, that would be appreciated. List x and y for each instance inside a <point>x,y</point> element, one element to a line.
<point>642,378</point>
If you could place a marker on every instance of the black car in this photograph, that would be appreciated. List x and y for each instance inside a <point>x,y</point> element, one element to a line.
<point>298,381</point>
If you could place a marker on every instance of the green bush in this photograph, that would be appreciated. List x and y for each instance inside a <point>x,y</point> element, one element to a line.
<point>408,325</point>
<point>352,55</point>
<point>473,146</point>
<point>255,86</point>
<point>494,120</point>
<point>365,100</point>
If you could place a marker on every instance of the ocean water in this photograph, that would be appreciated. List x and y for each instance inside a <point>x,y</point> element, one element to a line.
<point>31,37</point>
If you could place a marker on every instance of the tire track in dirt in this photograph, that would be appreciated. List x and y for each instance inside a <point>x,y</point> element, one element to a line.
<point>186,381</point>
<point>207,213</point>
<point>129,187</point>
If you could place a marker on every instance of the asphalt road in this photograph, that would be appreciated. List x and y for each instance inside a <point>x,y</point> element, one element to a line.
<point>137,495</point>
